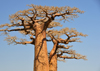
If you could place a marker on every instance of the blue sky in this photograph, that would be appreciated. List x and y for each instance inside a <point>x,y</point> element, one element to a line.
<point>20,57</point>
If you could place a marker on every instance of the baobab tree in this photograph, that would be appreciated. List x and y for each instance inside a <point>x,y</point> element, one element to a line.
<point>34,22</point>
<point>59,50</point>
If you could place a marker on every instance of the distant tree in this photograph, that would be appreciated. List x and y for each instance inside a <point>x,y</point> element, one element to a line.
<point>35,22</point>
<point>60,49</point>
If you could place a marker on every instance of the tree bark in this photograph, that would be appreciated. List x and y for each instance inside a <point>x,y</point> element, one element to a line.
<point>41,56</point>
<point>53,59</point>
<point>53,63</point>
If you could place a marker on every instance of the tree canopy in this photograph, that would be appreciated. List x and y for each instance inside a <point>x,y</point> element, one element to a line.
<point>38,22</point>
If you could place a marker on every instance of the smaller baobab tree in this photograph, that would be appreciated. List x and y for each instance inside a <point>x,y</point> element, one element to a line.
<point>59,50</point>
<point>34,22</point>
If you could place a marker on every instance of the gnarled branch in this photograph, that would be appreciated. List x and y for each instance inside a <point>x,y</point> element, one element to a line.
<point>73,54</point>
<point>62,46</point>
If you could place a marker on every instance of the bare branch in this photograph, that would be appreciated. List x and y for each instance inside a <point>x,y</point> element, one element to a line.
<point>54,24</point>
<point>20,29</point>
<point>13,39</point>
<point>24,43</point>
<point>74,40</point>
<point>48,40</point>
<point>73,54</point>
<point>35,13</point>
<point>10,25</point>
<point>67,57</point>
<point>59,14</point>
<point>62,46</point>
<point>46,13</point>
<point>70,33</point>
<point>60,59</point>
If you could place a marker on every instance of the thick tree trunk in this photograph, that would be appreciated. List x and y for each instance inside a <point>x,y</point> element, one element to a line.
<point>41,57</point>
<point>53,63</point>
<point>53,59</point>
